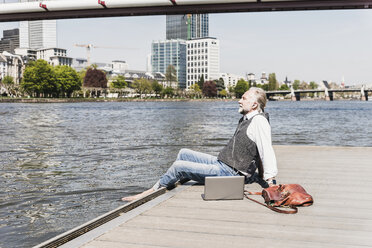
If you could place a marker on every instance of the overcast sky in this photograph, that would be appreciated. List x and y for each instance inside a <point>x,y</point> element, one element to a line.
<point>306,45</point>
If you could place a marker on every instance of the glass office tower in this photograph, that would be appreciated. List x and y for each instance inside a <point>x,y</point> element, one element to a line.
<point>170,52</point>
<point>187,27</point>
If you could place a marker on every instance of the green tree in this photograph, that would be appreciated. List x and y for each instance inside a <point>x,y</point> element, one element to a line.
<point>68,79</point>
<point>201,82</point>
<point>231,89</point>
<point>223,93</point>
<point>156,87</point>
<point>82,74</point>
<point>273,83</point>
<point>171,74</point>
<point>119,82</point>
<point>142,86</point>
<point>8,84</point>
<point>240,88</point>
<point>195,90</point>
<point>220,84</point>
<point>313,85</point>
<point>195,87</point>
<point>168,91</point>
<point>39,77</point>
<point>209,89</point>
<point>284,87</point>
<point>296,84</point>
<point>303,86</point>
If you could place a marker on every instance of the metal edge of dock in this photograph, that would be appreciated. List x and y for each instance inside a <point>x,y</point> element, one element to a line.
<point>105,218</point>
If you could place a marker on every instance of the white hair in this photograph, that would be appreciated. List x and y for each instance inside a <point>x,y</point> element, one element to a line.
<point>260,96</point>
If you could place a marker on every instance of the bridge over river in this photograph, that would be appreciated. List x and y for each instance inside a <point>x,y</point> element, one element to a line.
<point>41,10</point>
<point>328,93</point>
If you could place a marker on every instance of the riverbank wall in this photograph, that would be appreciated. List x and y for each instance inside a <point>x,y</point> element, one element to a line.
<point>78,100</point>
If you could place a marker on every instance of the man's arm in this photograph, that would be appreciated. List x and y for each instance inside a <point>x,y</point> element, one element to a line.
<point>259,131</point>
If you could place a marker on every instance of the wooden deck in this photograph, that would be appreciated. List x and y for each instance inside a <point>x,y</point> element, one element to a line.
<point>339,178</point>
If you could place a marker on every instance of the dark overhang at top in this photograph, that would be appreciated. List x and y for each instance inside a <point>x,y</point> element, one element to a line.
<point>70,9</point>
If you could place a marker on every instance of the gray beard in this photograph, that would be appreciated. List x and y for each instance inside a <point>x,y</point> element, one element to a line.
<point>241,111</point>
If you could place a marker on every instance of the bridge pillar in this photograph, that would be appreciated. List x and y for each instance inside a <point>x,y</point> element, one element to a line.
<point>298,96</point>
<point>295,96</point>
<point>364,96</point>
<point>329,96</point>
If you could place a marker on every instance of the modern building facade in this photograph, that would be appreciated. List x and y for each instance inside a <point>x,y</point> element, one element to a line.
<point>170,52</point>
<point>199,26</point>
<point>10,40</point>
<point>38,34</point>
<point>54,56</point>
<point>30,54</point>
<point>119,66</point>
<point>203,59</point>
<point>187,27</point>
<point>230,80</point>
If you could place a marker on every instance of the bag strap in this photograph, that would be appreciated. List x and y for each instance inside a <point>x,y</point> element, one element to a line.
<point>246,193</point>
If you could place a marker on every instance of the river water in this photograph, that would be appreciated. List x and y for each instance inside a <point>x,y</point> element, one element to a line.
<point>66,163</point>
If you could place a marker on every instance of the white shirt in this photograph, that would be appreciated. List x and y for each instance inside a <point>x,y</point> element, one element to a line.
<point>259,131</point>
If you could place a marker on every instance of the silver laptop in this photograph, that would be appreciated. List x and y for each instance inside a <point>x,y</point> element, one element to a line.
<point>224,188</point>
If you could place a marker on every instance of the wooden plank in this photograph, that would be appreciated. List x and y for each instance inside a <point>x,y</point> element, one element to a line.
<point>172,238</point>
<point>243,228</point>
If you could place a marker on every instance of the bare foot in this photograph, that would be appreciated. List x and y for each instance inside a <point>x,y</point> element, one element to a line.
<point>136,197</point>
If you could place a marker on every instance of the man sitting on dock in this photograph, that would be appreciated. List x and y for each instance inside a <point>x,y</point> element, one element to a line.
<point>248,150</point>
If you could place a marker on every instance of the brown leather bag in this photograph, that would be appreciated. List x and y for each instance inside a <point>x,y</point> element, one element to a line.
<point>284,195</point>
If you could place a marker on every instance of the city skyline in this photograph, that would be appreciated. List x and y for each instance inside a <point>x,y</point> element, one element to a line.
<point>310,46</point>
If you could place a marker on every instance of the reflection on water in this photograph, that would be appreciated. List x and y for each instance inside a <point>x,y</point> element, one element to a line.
<point>64,164</point>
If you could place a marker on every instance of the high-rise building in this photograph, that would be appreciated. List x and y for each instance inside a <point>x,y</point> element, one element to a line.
<point>203,60</point>
<point>170,52</point>
<point>38,34</point>
<point>10,40</point>
<point>187,27</point>
<point>199,26</point>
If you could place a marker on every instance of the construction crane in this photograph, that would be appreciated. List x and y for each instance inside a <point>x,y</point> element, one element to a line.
<point>90,46</point>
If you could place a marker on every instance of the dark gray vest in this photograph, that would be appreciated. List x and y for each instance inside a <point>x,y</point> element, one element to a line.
<point>241,152</point>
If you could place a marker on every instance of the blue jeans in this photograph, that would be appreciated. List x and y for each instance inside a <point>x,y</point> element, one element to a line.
<point>194,166</point>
